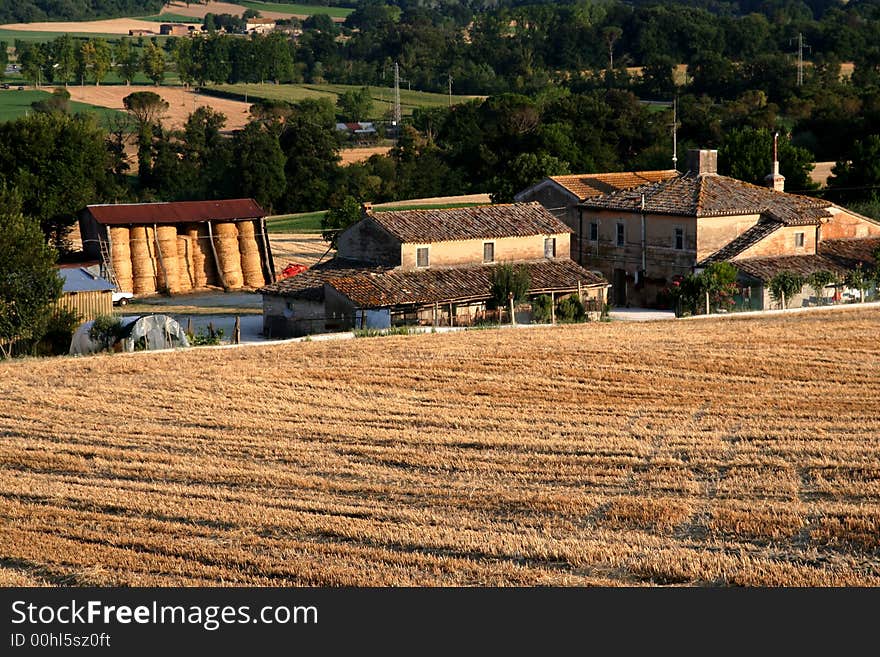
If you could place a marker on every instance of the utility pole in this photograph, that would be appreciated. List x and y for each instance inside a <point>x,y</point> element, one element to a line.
<point>800,57</point>
<point>397,96</point>
<point>450,90</point>
<point>675,133</point>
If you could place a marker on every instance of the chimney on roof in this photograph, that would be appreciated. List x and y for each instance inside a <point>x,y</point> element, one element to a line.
<point>703,161</point>
<point>775,180</point>
<point>366,208</point>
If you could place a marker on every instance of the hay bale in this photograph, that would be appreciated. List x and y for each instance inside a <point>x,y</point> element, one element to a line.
<point>251,262</point>
<point>120,256</point>
<point>166,236</point>
<point>184,263</point>
<point>143,263</point>
<point>203,266</point>
<point>226,243</point>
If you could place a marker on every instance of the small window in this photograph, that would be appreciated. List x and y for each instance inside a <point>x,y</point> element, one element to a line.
<point>550,247</point>
<point>594,231</point>
<point>488,251</point>
<point>621,235</point>
<point>422,256</point>
<point>679,238</point>
<point>799,240</point>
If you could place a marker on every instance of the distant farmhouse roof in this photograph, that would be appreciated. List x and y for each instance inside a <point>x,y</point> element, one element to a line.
<point>80,279</point>
<point>715,196</point>
<point>480,222</point>
<point>362,128</point>
<point>837,256</point>
<point>456,284</point>
<point>176,212</point>
<point>588,185</point>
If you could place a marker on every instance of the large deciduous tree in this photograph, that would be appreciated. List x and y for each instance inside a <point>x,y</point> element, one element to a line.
<point>59,164</point>
<point>29,281</point>
<point>747,154</point>
<point>259,164</point>
<point>128,62</point>
<point>857,177</point>
<point>147,108</point>
<point>153,63</point>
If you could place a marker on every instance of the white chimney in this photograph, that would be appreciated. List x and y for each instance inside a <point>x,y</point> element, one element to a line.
<point>775,180</point>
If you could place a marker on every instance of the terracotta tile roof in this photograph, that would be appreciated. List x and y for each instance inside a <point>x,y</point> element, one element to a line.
<point>715,196</point>
<point>764,269</point>
<point>749,238</point>
<point>176,212</point>
<point>394,288</point>
<point>860,249</point>
<point>309,285</point>
<point>479,222</point>
<point>836,256</point>
<point>588,185</point>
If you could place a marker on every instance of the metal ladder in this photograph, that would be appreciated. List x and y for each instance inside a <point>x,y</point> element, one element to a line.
<point>107,263</point>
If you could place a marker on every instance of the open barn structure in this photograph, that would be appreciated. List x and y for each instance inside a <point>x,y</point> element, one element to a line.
<point>177,247</point>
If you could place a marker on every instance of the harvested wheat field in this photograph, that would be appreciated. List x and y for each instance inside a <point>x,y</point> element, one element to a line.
<point>106,26</point>
<point>181,102</point>
<point>706,453</point>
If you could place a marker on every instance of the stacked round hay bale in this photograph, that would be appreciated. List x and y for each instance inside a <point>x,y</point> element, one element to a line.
<point>226,242</point>
<point>143,263</point>
<point>166,236</point>
<point>251,262</point>
<point>120,256</point>
<point>185,274</point>
<point>203,267</point>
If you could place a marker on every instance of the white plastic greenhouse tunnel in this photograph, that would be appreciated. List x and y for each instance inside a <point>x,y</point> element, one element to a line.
<point>145,333</point>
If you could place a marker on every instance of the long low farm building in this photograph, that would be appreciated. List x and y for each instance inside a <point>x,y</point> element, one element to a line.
<point>429,267</point>
<point>180,246</point>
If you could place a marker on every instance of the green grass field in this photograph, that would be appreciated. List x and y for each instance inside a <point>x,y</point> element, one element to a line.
<point>10,36</point>
<point>15,104</point>
<point>382,96</point>
<point>172,18</point>
<point>302,10</point>
<point>310,222</point>
<point>304,222</point>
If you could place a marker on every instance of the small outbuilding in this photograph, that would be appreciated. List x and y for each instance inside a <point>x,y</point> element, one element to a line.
<point>85,293</point>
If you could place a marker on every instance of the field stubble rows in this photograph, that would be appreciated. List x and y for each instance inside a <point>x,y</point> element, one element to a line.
<point>739,452</point>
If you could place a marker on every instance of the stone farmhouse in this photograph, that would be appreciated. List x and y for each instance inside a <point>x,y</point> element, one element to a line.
<point>642,238</point>
<point>562,195</point>
<point>428,267</point>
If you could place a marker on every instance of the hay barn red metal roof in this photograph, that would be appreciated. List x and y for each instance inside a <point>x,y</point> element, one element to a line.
<point>175,212</point>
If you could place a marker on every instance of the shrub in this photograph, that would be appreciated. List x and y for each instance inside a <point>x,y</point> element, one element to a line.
<point>818,281</point>
<point>105,331</point>
<point>784,285</point>
<point>59,332</point>
<point>541,309</point>
<point>204,337</point>
<point>506,280</point>
<point>570,309</point>
<point>374,332</point>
